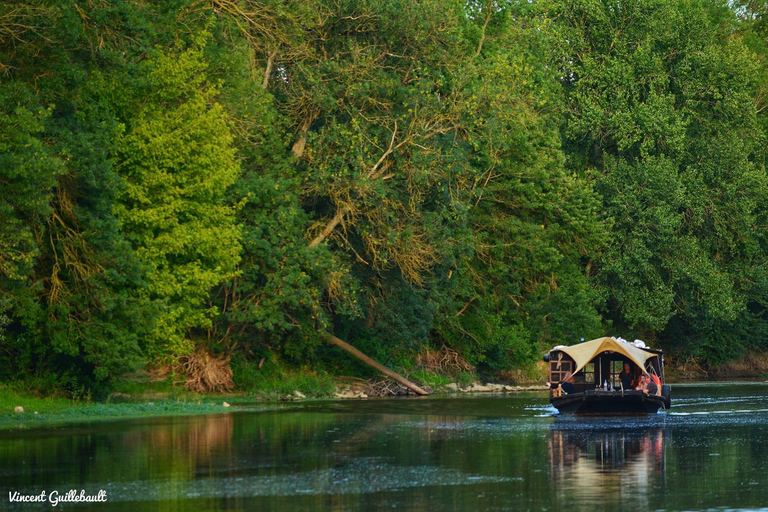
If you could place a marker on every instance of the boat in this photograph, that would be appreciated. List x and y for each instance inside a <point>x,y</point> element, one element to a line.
<point>591,370</point>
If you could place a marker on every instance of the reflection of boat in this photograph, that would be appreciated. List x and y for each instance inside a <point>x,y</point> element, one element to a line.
<point>592,370</point>
<point>616,466</point>
<point>606,450</point>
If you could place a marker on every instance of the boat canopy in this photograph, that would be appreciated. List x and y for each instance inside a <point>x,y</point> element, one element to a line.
<point>585,352</point>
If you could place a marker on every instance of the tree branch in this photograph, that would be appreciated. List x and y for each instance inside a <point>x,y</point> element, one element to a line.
<point>268,72</point>
<point>466,306</point>
<point>328,229</point>
<point>367,360</point>
<point>487,19</point>
<point>375,172</point>
<point>301,143</point>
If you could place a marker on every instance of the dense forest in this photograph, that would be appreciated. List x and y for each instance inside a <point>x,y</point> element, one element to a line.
<point>241,177</point>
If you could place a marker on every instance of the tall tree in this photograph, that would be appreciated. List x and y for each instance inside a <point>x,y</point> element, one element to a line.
<point>660,111</point>
<point>111,119</point>
<point>418,141</point>
<point>72,315</point>
<point>177,163</point>
<point>534,226</point>
<point>374,185</point>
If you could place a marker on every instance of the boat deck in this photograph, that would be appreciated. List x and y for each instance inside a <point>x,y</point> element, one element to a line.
<point>598,401</point>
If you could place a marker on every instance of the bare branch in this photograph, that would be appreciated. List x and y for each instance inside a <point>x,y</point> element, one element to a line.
<point>487,19</point>
<point>367,360</point>
<point>375,172</point>
<point>301,143</point>
<point>328,229</point>
<point>371,173</point>
<point>268,71</point>
<point>462,310</point>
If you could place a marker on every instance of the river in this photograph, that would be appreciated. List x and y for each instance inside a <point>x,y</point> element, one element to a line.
<point>468,453</point>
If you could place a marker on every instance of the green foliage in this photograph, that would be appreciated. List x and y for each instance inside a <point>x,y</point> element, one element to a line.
<point>662,112</point>
<point>85,312</point>
<point>177,163</point>
<point>275,381</point>
<point>65,313</point>
<point>28,171</point>
<point>533,224</point>
<point>495,176</point>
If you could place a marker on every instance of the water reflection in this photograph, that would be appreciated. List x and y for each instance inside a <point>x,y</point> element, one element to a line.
<point>621,466</point>
<point>198,437</point>
<point>479,454</point>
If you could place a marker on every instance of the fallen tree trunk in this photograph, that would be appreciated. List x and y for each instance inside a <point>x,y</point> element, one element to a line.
<point>367,360</point>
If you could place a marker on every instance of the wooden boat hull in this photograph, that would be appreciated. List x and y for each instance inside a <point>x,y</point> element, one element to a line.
<point>609,402</point>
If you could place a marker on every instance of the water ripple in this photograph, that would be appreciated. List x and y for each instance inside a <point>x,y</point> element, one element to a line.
<point>357,478</point>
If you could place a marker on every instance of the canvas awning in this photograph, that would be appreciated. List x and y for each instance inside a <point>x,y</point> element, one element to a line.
<point>585,352</point>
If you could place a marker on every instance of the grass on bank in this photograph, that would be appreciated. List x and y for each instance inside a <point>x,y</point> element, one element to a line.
<point>272,381</point>
<point>59,410</point>
<point>438,381</point>
<point>143,395</point>
<point>11,397</point>
<point>137,397</point>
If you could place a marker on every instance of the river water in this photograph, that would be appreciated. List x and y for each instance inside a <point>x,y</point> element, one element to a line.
<point>477,453</point>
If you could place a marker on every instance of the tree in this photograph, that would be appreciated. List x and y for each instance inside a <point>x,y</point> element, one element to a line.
<point>80,302</point>
<point>177,162</point>
<point>418,140</point>
<point>534,226</point>
<point>362,203</point>
<point>660,111</point>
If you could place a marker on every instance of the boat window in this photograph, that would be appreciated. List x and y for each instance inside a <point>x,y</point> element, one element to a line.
<point>589,373</point>
<point>558,370</point>
<point>616,368</point>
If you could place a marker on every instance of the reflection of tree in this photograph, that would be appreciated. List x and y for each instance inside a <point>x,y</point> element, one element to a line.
<point>181,447</point>
<point>612,465</point>
<point>195,437</point>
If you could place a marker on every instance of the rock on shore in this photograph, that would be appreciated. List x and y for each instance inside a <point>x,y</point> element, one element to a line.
<point>477,387</point>
<point>358,392</point>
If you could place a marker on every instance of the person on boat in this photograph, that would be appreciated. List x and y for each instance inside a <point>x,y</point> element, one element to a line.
<point>657,380</point>
<point>640,386</point>
<point>566,384</point>
<point>625,377</point>
<point>650,386</point>
<point>647,385</point>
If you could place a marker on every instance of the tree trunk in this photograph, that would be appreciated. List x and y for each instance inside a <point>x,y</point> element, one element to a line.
<point>329,227</point>
<point>367,360</point>
<point>301,143</point>
<point>268,71</point>
<point>378,169</point>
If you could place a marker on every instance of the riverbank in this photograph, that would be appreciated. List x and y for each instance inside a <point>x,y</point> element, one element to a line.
<point>22,409</point>
<point>753,365</point>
